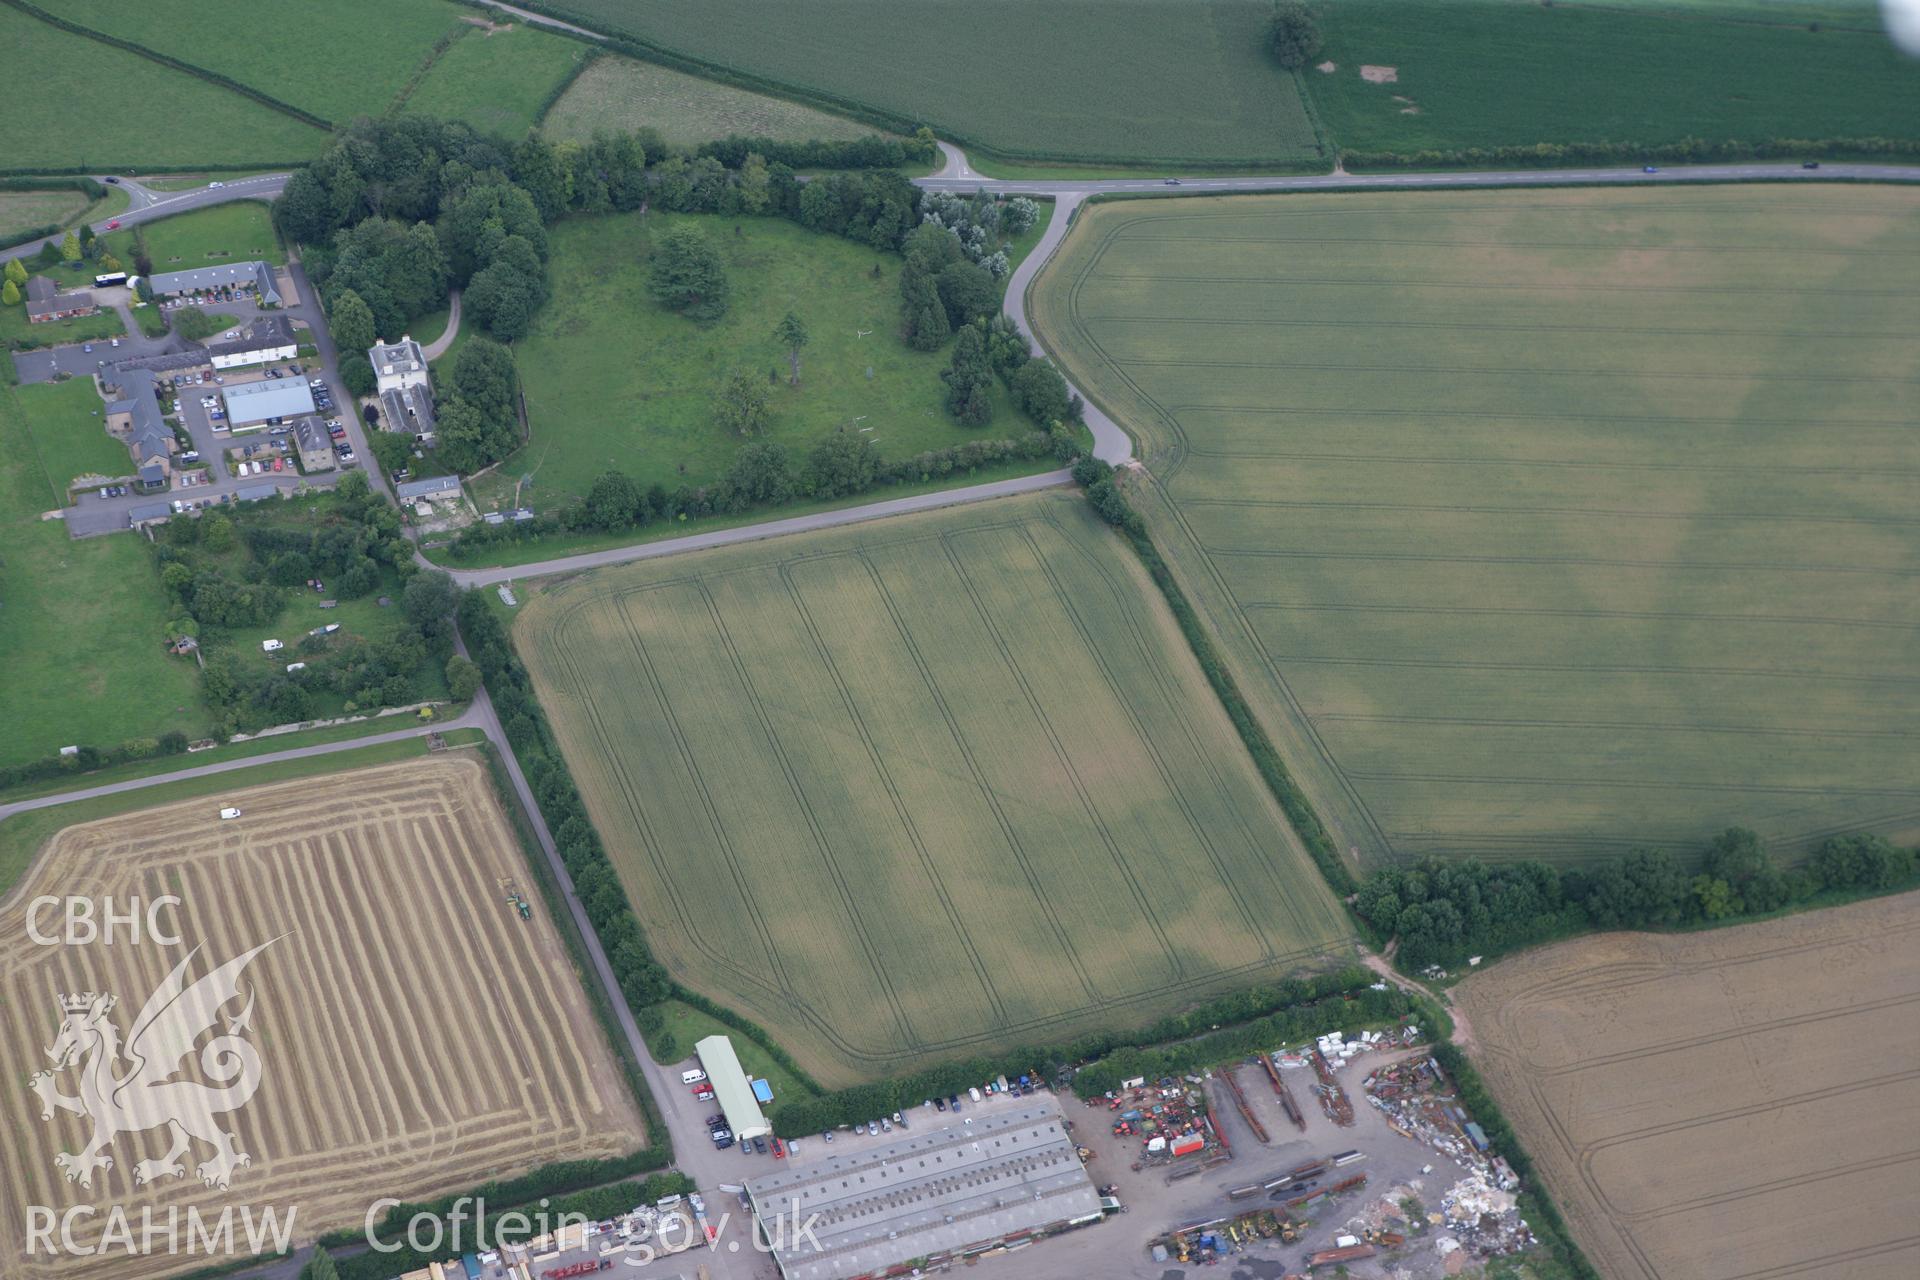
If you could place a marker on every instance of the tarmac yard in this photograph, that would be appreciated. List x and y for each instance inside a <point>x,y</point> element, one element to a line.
<point>1740,1104</point>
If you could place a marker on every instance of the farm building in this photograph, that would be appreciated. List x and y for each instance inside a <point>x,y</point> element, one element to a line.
<point>408,409</point>
<point>267,339</point>
<point>135,418</point>
<point>943,1195</point>
<point>45,302</point>
<point>730,1087</point>
<point>315,445</point>
<point>252,403</point>
<point>256,277</point>
<point>398,364</point>
<point>435,489</point>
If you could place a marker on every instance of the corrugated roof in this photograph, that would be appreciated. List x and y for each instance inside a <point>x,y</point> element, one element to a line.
<point>966,1183</point>
<point>427,488</point>
<point>730,1087</point>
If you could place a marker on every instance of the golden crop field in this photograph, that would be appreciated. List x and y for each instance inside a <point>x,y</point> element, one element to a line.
<point>1732,1105</point>
<point>1537,523</point>
<point>906,791</point>
<point>414,1036</point>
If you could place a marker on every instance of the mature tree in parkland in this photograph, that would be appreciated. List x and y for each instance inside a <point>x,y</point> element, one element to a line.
<point>1041,393</point>
<point>1293,37</point>
<point>356,371</point>
<point>70,248</point>
<point>16,273</point>
<point>923,320</point>
<point>792,334</point>
<point>10,294</point>
<point>968,292</point>
<point>740,406</point>
<point>351,324</point>
<point>841,464</point>
<point>613,502</point>
<point>754,187</point>
<point>969,380</point>
<point>687,275</point>
<point>760,473</point>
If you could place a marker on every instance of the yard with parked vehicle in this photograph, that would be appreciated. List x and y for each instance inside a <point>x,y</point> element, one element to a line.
<point>1536,523</point>
<point>922,788</point>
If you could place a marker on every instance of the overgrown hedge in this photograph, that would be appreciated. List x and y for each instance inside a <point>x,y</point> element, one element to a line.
<point>560,88</point>
<point>1264,1008</point>
<point>89,759</point>
<point>91,188</point>
<point>643,981</point>
<point>870,152</point>
<point>1097,478</point>
<point>1547,155</point>
<point>752,1030</point>
<point>29,235</point>
<point>169,61</point>
<point>1536,1204</point>
<point>547,1181</point>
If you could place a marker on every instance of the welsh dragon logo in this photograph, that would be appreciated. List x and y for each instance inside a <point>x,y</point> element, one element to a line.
<point>131,1089</point>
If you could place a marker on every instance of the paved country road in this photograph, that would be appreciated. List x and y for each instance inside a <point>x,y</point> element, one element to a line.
<point>150,206</point>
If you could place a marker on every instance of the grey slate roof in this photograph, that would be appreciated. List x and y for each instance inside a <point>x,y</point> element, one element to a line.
<point>39,288</point>
<point>269,398</point>
<point>58,302</point>
<point>406,409</point>
<point>396,357</point>
<point>241,275</point>
<point>149,511</point>
<point>264,334</point>
<point>937,1191</point>
<point>150,437</point>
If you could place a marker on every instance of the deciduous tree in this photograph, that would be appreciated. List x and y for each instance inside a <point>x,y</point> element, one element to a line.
<point>740,406</point>
<point>687,275</point>
<point>792,333</point>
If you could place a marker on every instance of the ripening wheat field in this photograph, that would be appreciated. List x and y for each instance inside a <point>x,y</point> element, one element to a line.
<point>906,791</point>
<point>1540,523</point>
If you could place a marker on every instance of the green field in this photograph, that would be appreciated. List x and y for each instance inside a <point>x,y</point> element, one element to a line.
<point>497,82</point>
<point>81,623</point>
<point>909,790</point>
<point>338,60</point>
<point>21,210</point>
<point>1141,80</point>
<point>1485,73</point>
<point>98,107</point>
<point>238,232</point>
<point>619,95</point>
<point>69,434</point>
<point>615,380</point>
<point>1542,523</point>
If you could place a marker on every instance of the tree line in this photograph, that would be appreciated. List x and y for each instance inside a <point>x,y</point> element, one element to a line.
<point>1265,1016</point>
<point>1442,912</point>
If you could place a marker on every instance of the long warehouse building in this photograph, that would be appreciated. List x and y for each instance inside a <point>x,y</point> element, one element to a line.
<point>731,1088</point>
<point>942,1195</point>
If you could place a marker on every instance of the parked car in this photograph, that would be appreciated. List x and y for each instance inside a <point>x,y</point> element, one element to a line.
<point>279,465</point>
<point>953,1100</point>
<point>722,1143</point>
<point>886,1125</point>
<point>693,1076</point>
<point>940,1104</point>
<point>760,1145</point>
<point>703,1091</point>
<point>779,1149</point>
<point>827,1134</point>
<point>793,1147</point>
<point>228,813</point>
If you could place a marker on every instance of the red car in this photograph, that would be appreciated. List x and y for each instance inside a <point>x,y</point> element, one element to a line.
<point>114,225</point>
<point>278,465</point>
<point>703,1091</point>
<point>779,1149</point>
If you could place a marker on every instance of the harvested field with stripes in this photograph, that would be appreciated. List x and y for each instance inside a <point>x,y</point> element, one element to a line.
<point>1730,1105</point>
<point>907,791</point>
<point>1537,523</point>
<point>415,1036</point>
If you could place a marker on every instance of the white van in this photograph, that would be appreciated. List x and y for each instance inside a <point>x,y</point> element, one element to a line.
<point>694,1076</point>
<point>229,813</point>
